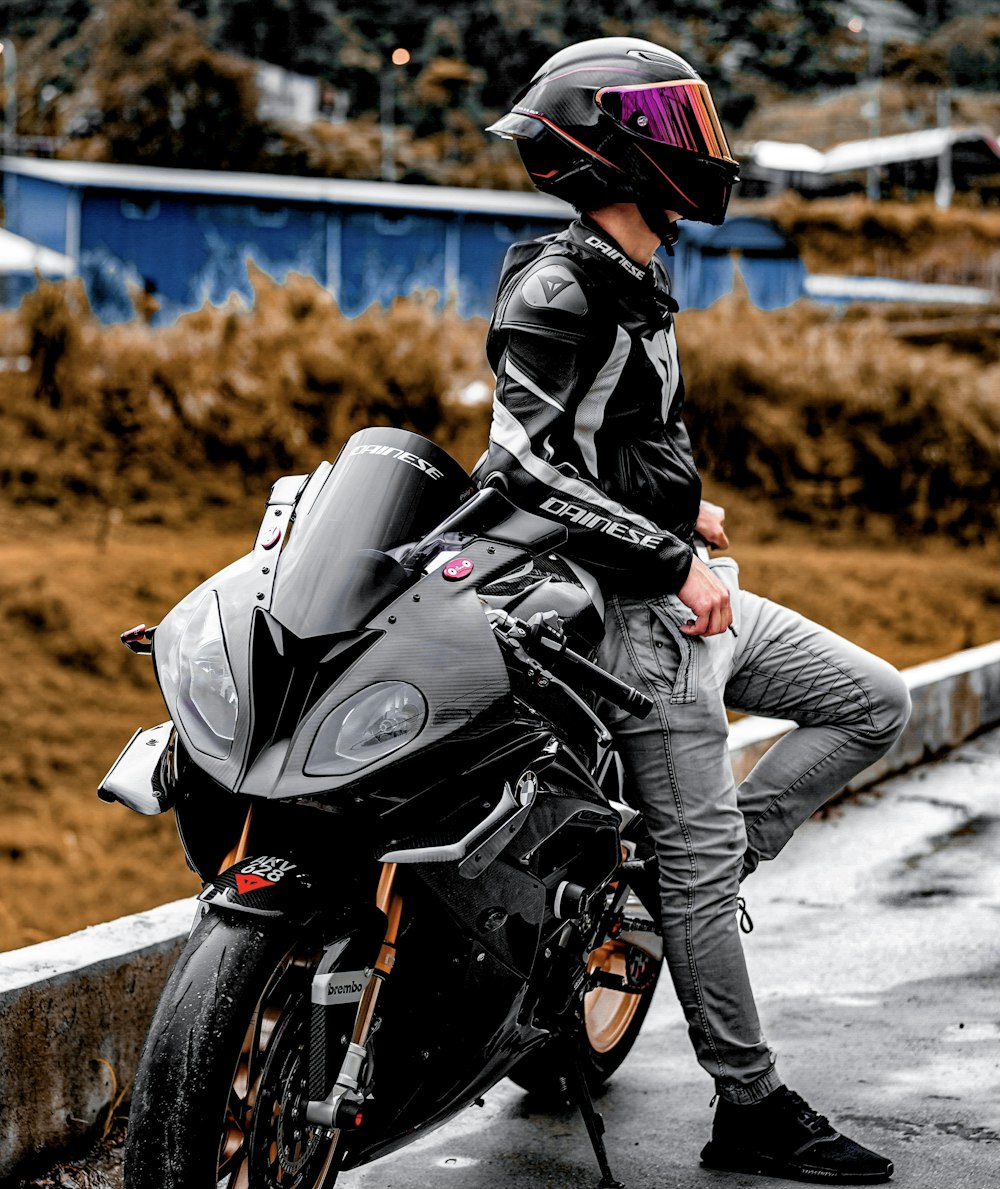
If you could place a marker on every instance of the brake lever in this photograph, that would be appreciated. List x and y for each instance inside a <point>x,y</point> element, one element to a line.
<point>517,634</point>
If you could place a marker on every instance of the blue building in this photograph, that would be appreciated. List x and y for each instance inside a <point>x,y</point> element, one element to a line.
<point>20,260</point>
<point>706,260</point>
<point>186,235</point>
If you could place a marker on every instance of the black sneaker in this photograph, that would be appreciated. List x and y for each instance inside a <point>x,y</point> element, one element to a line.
<point>782,1136</point>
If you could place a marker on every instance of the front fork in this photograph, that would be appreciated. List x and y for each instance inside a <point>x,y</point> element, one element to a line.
<point>342,1107</point>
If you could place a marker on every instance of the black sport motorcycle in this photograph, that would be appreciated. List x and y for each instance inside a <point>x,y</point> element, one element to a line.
<point>420,872</point>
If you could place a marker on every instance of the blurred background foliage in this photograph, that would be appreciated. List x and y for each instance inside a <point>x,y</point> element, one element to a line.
<point>834,421</point>
<point>172,81</point>
<point>166,421</point>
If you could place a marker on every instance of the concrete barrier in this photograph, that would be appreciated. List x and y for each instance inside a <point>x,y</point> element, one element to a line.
<point>73,1016</point>
<point>74,1011</point>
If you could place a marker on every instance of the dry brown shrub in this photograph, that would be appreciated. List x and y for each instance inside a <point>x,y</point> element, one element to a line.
<point>452,156</point>
<point>855,235</point>
<point>833,422</point>
<point>351,149</point>
<point>839,423</point>
<point>160,421</point>
<point>844,114</point>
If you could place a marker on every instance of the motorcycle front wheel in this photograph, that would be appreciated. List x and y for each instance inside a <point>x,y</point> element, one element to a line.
<point>219,1098</point>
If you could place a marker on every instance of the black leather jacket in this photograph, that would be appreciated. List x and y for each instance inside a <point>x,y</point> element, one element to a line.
<point>587,422</point>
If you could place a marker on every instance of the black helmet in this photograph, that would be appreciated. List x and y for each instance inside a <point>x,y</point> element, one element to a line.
<point>618,119</point>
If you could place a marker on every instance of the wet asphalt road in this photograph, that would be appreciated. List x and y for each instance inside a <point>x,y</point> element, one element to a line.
<point>876,962</point>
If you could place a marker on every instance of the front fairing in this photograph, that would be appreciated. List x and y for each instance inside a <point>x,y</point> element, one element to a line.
<point>432,635</point>
<point>435,637</point>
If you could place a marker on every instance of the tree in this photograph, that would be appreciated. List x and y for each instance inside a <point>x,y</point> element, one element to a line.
<point>166,97</point>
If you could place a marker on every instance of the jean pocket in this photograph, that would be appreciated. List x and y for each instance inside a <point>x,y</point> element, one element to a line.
<point>675,653</point>
<point>728,573</point>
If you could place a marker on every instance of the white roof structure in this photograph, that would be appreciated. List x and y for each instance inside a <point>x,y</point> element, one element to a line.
<point>19,256</point>
<point>284,188</point>
<point>285,95</point>
<point>828,287</point>
<point>860,154</point>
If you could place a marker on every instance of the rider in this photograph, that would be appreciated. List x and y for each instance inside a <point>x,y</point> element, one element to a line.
<point>587,430</point>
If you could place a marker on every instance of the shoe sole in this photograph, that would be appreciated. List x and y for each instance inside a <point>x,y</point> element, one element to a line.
<point>743,1160</point>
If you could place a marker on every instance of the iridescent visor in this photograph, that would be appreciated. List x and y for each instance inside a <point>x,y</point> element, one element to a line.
<point>679,114</point>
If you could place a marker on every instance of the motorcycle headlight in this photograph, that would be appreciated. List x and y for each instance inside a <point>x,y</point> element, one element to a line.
<point>204,689</point>
<point>370,725</point>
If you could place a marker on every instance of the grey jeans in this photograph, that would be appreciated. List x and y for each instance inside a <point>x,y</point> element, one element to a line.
<point>709,833</point>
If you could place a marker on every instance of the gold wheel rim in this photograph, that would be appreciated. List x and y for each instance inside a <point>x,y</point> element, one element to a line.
<point>607,1013</point>
<point>233,1170</point>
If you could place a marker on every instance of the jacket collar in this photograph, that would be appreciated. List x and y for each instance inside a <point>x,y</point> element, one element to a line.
<point>596,242</point>
<point>650,280</point>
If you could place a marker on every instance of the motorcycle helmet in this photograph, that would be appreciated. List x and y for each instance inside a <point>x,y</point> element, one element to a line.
<point>619,119</point>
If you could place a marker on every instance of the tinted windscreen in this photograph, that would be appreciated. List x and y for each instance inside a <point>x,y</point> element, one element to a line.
<point>387,488</point>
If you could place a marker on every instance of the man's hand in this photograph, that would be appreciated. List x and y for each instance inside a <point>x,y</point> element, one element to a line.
<point>711,519</point>
<point>704,595</point>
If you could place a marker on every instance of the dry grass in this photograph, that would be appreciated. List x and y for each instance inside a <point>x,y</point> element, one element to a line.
<point>843,114</point>
<point>827,419</point>
<point>161,422</point>
<point>855,236</point>
<point>70,697</point>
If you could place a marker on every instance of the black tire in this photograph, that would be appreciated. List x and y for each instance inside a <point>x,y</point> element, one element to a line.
<point>608,1029</point>
<point>221,1073</point>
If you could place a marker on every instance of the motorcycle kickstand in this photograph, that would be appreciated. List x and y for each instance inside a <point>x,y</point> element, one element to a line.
<point>593,1120</point>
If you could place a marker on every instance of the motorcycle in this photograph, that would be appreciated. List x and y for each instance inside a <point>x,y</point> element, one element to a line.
<point>421,874</point>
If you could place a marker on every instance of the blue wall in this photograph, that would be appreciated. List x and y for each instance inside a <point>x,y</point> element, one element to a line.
<point>707,257</point>
<point>39,210</point>
<point>484,242</point>
<point>386,253</point>
<point>193,248</point>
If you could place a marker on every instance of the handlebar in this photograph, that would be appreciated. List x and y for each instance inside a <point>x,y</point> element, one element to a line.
<point>542,637</point>
<point>599,681</point>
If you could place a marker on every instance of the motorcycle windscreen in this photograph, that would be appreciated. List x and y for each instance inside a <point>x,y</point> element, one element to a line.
<point>387,488</point>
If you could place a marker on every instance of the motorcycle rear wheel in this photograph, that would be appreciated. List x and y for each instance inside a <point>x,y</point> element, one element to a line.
<point>219,1097</point>
<point>611,1024</point>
